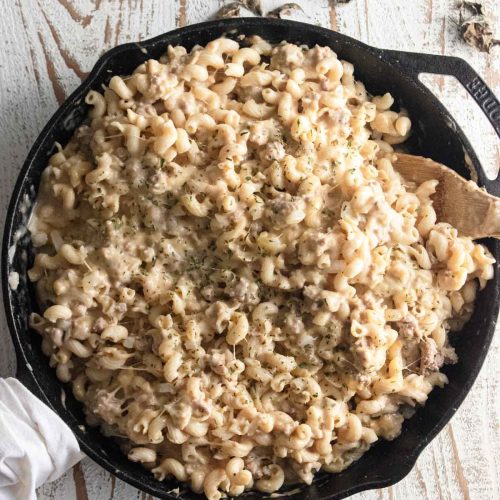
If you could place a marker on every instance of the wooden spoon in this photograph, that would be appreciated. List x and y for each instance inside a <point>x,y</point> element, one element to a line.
<point>462,203</point>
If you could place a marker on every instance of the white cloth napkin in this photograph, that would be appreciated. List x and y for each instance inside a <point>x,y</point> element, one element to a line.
<point>36,446</point>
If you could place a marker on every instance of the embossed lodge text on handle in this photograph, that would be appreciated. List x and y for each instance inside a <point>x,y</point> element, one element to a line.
<point>485,98</point>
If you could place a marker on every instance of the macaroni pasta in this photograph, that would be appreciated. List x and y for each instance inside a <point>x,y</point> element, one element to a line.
<point>233,277</point>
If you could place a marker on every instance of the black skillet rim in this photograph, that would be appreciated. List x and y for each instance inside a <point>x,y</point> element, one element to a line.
<point>229,24</point>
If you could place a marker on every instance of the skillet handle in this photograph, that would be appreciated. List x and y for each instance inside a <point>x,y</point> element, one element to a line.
<point>416,63</point>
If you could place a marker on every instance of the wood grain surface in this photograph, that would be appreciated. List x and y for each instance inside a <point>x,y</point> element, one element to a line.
<point>48,46</point>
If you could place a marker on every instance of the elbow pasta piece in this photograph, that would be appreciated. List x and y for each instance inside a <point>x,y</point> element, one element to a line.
<point>132,134</point>
<point>238,329</point>
<point>182,142</point>
<point>232,275</point>
<point>280,362</point>
<point>254,110</point>
<point>402,126</point>
<point>199,120</point>
<point>78,348</point>
<point>171,368</point>
<point>155,429</point>
<point>79,387</point>
<point>274,480</point>
<point>194,207</point>
<point>384,102</point>
<point>287,109</point>
<point>102,172</point>
<point>67,194</point>
<point>352,430</point>
<point>223,46</point>
<point>256,78</point>
<point>196,429</point>
<point>384,122</point>
<point>170,466</point>
<point>245,55</point>
<point>209,97</point>
<point>54,313</point>
<point>115,333</point>
<point>98,102</point>
<point>197,480</point>
<point>210,59</point>
<point>213,481</point>
<point>142,455</point>
<point>195,72</point>
<point>120,88</point>
<point>225,87</point>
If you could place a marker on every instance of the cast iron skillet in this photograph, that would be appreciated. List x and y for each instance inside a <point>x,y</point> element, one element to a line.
<point>436,135</point>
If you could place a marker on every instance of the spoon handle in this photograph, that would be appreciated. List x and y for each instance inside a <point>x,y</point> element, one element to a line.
<point>491,224</point>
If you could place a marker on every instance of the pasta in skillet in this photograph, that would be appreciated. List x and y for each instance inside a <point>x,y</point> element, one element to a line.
<point>233,277</point>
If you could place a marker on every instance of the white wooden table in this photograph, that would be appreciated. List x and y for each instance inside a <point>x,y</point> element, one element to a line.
<point>48,46</point>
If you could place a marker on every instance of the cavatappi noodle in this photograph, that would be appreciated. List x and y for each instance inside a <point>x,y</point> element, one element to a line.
<point>233,277</point>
